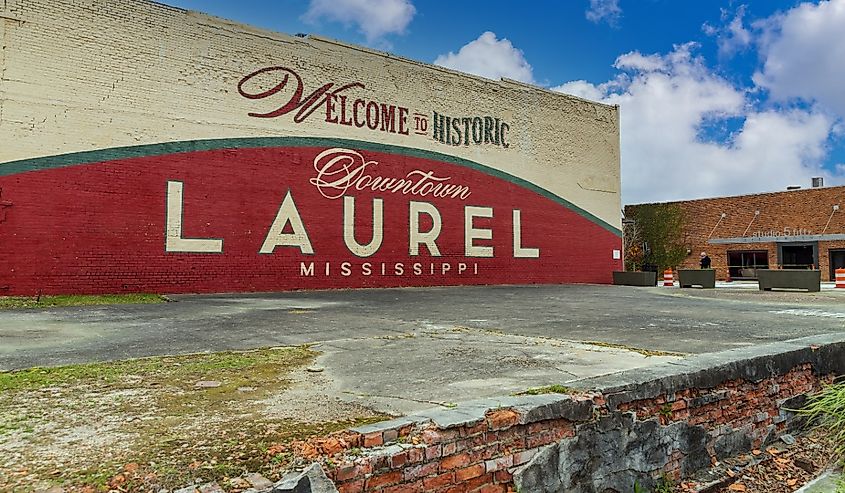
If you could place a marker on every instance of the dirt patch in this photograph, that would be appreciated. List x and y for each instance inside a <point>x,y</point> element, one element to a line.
<point>153,423</point>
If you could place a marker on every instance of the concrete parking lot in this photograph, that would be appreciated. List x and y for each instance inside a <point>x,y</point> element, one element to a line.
<point>400,350</point>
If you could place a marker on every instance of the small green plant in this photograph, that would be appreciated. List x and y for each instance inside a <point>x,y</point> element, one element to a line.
<point>664,485</point>
<point>549,389</point>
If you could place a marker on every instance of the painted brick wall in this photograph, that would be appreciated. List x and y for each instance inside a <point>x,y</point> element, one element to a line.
<point>809,210</point>
<point>103,229</point>
<point>104,103</point>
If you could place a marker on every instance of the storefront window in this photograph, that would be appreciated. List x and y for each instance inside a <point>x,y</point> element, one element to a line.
<point>744,264</point>
<point>798,256</point>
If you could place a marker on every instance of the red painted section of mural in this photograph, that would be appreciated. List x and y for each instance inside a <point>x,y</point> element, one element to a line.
<point>102,228</point>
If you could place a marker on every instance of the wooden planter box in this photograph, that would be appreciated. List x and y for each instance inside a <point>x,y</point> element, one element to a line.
<point>706,278</point>
<point>789,279</point>
<point>635,278</point>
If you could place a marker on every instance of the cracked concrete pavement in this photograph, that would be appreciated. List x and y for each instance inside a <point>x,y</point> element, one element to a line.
<point>402,350</point>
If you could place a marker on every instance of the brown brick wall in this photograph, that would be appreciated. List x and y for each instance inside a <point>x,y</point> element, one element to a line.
<point>484,455</point>
<point>807,210</point>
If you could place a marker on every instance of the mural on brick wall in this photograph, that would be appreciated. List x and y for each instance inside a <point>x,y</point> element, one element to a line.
<point>340,106</point>
<point>319,166</point>
<point>268,214</point>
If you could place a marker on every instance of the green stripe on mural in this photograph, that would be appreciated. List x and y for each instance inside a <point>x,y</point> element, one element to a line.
<point>115,153</point>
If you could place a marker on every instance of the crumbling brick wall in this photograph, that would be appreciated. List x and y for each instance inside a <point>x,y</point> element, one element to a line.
<point>673,421</point>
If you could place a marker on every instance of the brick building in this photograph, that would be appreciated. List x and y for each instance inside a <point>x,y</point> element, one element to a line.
<point>148,148</point>
<point>794,229</point>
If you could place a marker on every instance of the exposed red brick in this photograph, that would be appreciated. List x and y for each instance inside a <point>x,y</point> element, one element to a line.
<point>439,481</point>
<point>454,461</point>
<point>478,482</point>
<point>433,452</point>
<point>520,458</point>
<point>398,460</point>
<point>421,471</point>
<point>432,436</point>
<point>469,472</point>
<point>349,471</point>
<point>502,418</point>
<point>356,486</point>
<point>481,427</point>
<point>373,439</point>
<point>486,453</point>
<point>472,442</point>
<point>499,463</point>
<point>415,487</point>
<point>535,441</point>
<point>351,438</point>
<point>386,479</point>
<point>406,430</point>
<point>503,476</point>
<point>416,454</point>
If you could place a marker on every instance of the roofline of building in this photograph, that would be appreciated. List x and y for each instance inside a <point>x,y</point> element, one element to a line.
<point>758,194</point>
<point>287,38</point>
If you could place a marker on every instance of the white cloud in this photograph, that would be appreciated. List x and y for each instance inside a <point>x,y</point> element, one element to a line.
<point>604,10</point>
<point>637,61</point>
<point>582,89</point>
<point>804,54</point>
<point>665,102</point>
<point>374,18</point>
<point>733,36</point>
<point>489,57</point>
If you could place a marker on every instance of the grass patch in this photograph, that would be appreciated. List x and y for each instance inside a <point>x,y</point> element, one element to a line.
<point>18,302</point>
<point>549,389</point>
<point>174,432</point>
<point>826,409</point>
<point>162,369</point>
<point>644,352</point>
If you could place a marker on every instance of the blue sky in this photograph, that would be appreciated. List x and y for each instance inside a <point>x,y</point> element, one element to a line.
<point>716,97</point>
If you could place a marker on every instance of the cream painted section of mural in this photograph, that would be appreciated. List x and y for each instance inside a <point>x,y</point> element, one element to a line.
<point>90,74</point>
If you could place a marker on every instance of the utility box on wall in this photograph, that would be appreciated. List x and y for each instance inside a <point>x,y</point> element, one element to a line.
<point>147,148</point>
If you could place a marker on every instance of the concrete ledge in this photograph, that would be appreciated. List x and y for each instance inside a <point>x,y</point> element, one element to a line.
<point>826,353</point>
